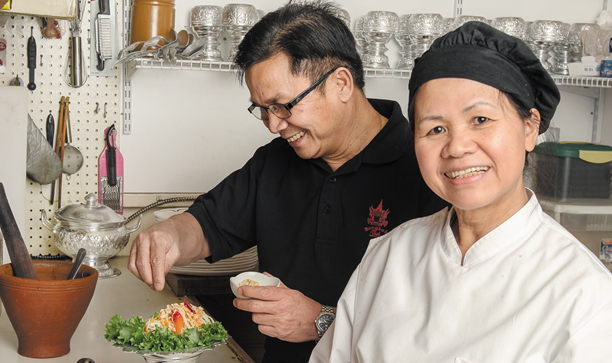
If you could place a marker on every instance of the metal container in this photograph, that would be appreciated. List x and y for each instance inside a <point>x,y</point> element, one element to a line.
<point>93,226</point>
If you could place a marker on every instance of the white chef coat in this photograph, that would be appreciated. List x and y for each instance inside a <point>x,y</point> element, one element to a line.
<point>528,291</point>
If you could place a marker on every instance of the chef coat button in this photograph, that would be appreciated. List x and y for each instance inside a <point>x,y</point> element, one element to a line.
<point>327,210</point>
<point>332,179</point>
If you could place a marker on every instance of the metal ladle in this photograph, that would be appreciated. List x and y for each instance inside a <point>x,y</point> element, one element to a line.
<point>73,158</point>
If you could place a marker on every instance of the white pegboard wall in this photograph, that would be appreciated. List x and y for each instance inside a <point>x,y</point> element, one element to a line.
<point>103,93</point>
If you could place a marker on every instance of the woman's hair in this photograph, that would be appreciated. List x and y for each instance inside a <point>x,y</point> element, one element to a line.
<point>310,34</point>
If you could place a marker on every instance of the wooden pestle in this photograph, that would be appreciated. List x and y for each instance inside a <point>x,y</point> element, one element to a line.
<point>20,257</point>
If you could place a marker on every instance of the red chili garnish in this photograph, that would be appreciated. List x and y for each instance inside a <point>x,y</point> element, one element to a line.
<point>188,305</point>
<point>177,318</point>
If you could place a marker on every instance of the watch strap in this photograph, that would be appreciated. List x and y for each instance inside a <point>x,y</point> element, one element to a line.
<point>325,310</point>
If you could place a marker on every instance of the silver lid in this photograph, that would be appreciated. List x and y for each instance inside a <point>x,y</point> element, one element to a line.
<point>88,212</point>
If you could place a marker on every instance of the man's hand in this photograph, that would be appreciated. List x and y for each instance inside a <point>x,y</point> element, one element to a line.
<point>281,312</point>
<point>178,240</point>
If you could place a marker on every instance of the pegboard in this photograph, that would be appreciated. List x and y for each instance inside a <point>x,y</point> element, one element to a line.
<point>93,107</point>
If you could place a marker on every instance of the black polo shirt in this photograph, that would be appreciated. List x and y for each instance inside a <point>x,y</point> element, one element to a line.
<point>312,225</point>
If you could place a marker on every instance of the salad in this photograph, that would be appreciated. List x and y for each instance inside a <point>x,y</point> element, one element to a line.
<point>178,327</point>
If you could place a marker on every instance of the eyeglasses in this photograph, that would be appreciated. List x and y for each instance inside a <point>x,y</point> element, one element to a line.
<point>283,111</point>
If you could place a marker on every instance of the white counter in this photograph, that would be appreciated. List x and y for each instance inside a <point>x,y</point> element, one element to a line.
<point>124,295</point>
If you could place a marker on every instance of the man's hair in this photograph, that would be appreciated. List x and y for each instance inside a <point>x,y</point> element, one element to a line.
<point>310,34</point>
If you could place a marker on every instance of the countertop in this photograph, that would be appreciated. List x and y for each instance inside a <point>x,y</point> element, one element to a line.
<point>124,295</point>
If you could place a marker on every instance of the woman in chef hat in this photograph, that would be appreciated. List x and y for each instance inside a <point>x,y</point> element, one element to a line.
<point>493,279</point>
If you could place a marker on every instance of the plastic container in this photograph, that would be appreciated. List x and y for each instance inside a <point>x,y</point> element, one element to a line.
<point>573,171</point>
<point>151,18</point>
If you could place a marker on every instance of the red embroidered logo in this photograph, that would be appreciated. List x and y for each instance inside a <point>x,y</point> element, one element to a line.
<point>377,220</point>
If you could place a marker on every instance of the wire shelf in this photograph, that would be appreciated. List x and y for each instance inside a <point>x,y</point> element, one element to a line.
<point>184,64</point>
<point>199,65</point>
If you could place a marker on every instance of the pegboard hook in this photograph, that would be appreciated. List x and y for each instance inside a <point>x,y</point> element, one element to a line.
<point>104,109</point>
<point>97,108</point>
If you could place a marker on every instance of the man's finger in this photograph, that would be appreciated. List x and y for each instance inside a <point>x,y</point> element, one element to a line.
<point>142,262</point>
<point>158,264</point>
<point>268,293</point>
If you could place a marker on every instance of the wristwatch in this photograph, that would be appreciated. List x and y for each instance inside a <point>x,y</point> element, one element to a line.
<point>324,320</point>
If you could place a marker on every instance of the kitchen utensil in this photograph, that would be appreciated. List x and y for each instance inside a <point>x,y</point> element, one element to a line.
<point>20,258</point>
<point>50,128</point>
<point>45,313</point>
<point>73,158</point>
<point>78,261</point>
<point>168,51</point>
<point>57,143</point>
<point>110,173</point>
<point>43,165</point>
<point>76,58</point>
<point>62,148</point>
<point>32,59</point>
<point>103,30</point>
<point>140,49</point>
<point>93,226</point>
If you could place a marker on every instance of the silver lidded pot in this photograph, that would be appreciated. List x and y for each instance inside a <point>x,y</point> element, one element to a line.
<point>93,226</point>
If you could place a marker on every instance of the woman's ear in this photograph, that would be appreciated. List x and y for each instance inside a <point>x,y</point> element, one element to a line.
<point>344,83</point>
<point>532,129</point>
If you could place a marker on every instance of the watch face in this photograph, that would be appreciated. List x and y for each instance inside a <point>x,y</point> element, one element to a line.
<point>324,321</point>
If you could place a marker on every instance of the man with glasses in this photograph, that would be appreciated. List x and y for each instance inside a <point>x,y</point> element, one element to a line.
<point>342,172</point>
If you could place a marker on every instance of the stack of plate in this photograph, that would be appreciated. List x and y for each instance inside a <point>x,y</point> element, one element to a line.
<point>245,261</point>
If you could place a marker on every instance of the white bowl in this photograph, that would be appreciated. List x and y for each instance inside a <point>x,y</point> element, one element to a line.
<point>255,276</point>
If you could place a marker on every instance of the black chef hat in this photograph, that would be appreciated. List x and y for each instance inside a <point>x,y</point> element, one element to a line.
<point>478,52</point>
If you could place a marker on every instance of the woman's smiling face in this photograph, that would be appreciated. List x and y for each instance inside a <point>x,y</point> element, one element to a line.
<point>470,144</point>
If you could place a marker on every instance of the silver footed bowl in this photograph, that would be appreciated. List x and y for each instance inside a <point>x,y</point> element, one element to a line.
<point>239,15</point>
<point>514,26</point>
<point>460,20</point>
<point>205,15</point>
<point>426,24</point>
<point>545,31</point>
<point>382,22</point>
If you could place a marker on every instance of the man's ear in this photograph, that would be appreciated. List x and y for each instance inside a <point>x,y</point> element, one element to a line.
<point>344,82</point>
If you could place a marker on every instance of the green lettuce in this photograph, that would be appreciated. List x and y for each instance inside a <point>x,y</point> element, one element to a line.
<point>131,333</point>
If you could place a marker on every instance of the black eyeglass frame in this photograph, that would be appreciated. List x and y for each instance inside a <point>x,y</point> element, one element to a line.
<point>298,98</point>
